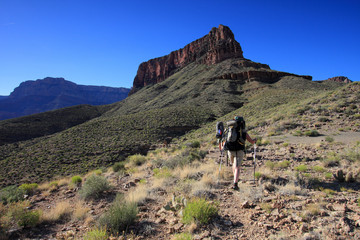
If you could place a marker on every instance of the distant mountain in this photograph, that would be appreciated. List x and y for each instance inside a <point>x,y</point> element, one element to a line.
<point>3,97</point>
<point>53,93</point>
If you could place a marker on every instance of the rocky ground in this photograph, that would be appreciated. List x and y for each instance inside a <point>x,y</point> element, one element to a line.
<point>283,203</point>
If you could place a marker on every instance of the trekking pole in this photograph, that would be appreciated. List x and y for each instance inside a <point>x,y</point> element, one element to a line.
<point>221,155</point>
<point>254,160</point>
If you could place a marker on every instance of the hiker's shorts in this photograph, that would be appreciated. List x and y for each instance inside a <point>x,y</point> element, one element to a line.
<point>236,157</point>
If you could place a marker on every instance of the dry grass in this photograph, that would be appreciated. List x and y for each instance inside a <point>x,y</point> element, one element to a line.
<point>225,173</point>
<point>64,182</point>
<point>186,172</point>
<point>61,211</point>
<point>138,195</point>
<point>81,210</point>
<point>290,189</point>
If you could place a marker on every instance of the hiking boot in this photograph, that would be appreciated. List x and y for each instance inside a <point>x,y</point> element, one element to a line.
<point>235,187</point>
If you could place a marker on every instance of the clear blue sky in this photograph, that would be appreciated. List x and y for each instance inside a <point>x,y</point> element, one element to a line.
<point>103,42</point>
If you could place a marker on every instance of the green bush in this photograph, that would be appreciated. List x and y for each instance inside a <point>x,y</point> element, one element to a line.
<point>137,160</point>
<point>28,188</point>
<point>76,180</point>
<point>162,173</point>
<point>120,215</point>
<point>11,194</point>
<point>282,164</point>
<point>93,187</point>
<point>96,234</point>
<point>270,165</point>
<point>319,169</point>
<point>323,119</point>
<point>258,175</point>
<point>301,168</point>
<point>18,212</point>
<point>329,139</point>
<point>195,144</point>
<point>311,133</point>
<point>28,218</point>
<point>119,167</point>
<point>328,175</point>
<point>199,211</point>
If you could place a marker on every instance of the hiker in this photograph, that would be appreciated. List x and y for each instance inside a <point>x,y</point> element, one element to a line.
<point>236,146</point>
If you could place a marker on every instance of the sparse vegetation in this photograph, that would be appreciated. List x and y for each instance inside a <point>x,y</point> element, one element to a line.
<point>301,168</point>
<point>76,180</point>
<point>93,187</point>
<point>182,236</point>
<point>96,234</point>
<point>120,215</point>
<point>199,210</point>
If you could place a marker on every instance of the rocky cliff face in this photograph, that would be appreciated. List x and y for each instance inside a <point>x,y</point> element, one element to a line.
<point>340,79</point>
<point>213,48</point>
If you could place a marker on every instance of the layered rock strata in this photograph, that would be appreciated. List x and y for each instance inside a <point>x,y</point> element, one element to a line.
<point>213,48</point>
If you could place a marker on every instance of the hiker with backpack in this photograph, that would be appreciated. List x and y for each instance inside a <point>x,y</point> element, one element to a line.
<point>233,140</point>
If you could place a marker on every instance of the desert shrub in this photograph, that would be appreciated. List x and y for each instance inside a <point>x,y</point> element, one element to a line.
<point>328,175</point>
<point>28,188</point>
<point>137,160</point>
<point>184,159</point>
<point>352,155</point>
<point>98,172</point>
<point>311,133</point>
<point>119,167</point>
<point>258,175</point>
<point>266,207</point>
<point>54,184</point>
<point>76,180</point>
<point>297,133</point>
<point>96,234</point>
<point>195,144</point>
<point>323,119</point>
<point>319,169</point>
<point>11,194</point>
<point>328,191</point>
<point>162,172</point>
<point>182,236</point>
<point>93,187</point>
<point>282,164</point>
<point>199,211</point>
<point>203,154</point>
<point>19,213</point>
<point>332,160</point>
<point>29,218</point>
<point>329,139</point>
<point>270,165</point>
<point>120,215</point>
<point>301,168</point>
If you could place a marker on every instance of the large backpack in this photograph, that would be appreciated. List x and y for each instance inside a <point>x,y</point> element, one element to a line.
<point>219,130</point>
<point>235,136</point>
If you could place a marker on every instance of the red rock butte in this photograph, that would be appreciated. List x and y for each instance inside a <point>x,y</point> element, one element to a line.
<point>213,48</point>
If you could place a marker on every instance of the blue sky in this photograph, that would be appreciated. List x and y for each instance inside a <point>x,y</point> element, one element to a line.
<point>103,42</point>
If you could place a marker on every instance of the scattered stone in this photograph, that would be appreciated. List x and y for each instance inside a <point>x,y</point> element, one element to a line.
<point>247,204</point>
<point>228,223</point>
